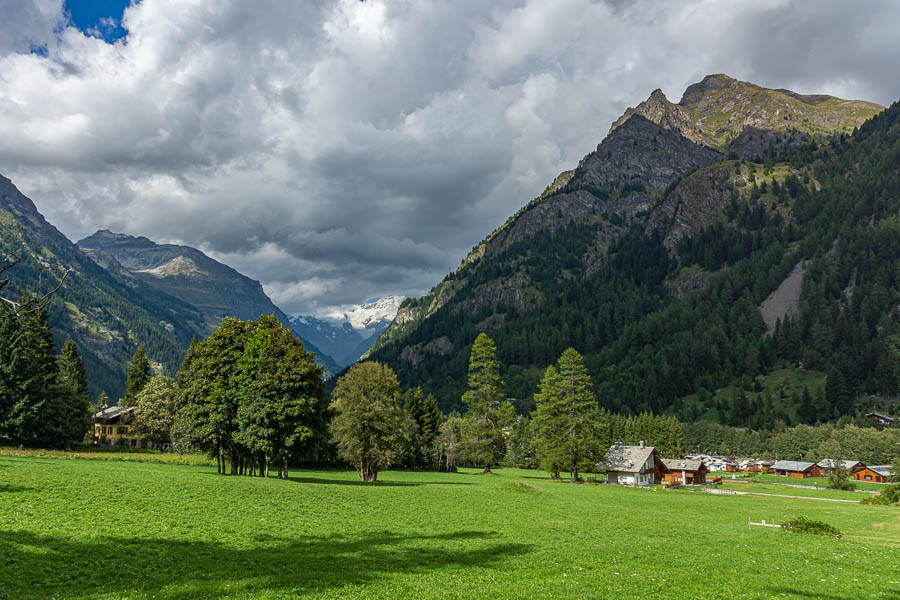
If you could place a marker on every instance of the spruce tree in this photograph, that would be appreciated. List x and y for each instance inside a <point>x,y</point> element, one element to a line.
<point>487,413</point>
<point>139,374</point>
<point>567,418</point>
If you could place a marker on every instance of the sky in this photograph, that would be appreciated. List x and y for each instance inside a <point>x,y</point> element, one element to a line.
<point>344,150</point>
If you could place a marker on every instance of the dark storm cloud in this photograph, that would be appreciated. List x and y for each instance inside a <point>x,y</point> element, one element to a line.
<point>343,150</point>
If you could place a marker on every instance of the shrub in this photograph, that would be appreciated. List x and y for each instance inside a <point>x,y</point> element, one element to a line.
<point>805,525</point>
<point>889,495</point>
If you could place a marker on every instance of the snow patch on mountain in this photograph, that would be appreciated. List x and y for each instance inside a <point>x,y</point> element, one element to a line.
<point>347,336</point>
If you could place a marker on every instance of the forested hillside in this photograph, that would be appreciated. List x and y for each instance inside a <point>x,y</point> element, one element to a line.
<point>107,319</point>
<point>654,256</point>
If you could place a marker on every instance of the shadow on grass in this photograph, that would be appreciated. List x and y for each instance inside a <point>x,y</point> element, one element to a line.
<point>43,565</point>
<point>12,489</point>
<point>329,481</point>
<point>819,595</point>
<point>325,481</point>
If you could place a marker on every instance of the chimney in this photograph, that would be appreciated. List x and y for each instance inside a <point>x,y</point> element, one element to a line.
<point>642,443</point>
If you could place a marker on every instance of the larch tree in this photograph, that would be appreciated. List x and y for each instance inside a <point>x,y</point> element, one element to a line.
<point>368,419</point>
<point>487,413</point>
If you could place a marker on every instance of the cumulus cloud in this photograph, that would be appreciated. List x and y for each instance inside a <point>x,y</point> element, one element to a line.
<point>343,150</point>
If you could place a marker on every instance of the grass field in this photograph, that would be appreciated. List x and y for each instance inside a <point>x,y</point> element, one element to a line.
<point>107,529</point>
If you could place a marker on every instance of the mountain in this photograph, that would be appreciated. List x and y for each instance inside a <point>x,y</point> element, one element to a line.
<point>653,256</point>
<point>740,117</point>
<point>349,338</point>
<point>214,289</point>
<point>107,314</point>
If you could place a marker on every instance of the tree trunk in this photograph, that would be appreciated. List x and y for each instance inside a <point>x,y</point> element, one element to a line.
<point>234,463</point>
<point>285,467</point>
<point>267,466</point>
<point>487,470</point>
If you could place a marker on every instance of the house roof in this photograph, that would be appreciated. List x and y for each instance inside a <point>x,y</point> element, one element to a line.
<point>112,412</point>
<point>682,464</point>
<point>828,463</point>
<point>880,416</point>
<point>792,465</point>
<point>886,470</point>
<point>628,459</point>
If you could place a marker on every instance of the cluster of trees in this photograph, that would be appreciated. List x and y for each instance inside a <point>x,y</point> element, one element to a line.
<point>43,396</point>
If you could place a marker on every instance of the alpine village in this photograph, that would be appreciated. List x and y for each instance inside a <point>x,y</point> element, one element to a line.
<point>674,373</point>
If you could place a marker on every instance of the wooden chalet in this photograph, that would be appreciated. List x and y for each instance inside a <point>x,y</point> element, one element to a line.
<point>684,471</point>
<point>846,466</point>
<point>880,420</point>
<point>637,466</point>
<point>876,474</point>
<point>796,468</point>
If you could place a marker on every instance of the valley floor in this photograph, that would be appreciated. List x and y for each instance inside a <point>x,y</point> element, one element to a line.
<point>110,529</point>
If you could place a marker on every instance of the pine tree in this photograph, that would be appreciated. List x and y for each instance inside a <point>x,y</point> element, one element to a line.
<point>487,414</point>
<point>139,374</point>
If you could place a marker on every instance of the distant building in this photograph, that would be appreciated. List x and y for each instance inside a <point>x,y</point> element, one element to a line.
<point>637,466</point>
<point>796,468</point>
<point>114,424</point>
<point>877,474</point>
<point>684,471</point>
<point>846,466</point>
<point>880,420</point>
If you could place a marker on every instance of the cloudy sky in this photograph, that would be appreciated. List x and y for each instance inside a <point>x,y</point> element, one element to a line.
<point>343,150</point>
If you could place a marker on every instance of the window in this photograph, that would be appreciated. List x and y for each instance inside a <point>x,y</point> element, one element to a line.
<point>122,430</point>
<point>868,478</point>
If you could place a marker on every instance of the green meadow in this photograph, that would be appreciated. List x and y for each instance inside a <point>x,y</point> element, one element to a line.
<point>116,529</point>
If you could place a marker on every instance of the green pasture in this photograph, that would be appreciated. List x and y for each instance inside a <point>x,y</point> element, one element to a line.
<point>115,529</point>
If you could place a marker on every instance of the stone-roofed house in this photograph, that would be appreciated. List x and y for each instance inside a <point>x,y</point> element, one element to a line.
<point>685,471</point>
<point>796,468</point>
<point>846,466</point>
<point>112,426</point>
<point>637,466</point>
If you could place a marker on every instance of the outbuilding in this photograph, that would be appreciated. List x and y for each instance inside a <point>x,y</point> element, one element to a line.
<point>684,471</point>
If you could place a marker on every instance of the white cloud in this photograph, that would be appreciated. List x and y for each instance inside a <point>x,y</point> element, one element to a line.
<point>343,150</point>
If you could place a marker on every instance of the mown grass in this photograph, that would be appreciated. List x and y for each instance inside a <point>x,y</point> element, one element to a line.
<point>114,454</point>
<point>820,482</point>
<point>107,529</point>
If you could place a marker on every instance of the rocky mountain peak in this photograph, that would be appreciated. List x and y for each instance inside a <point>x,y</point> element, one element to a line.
<point>710,83</point>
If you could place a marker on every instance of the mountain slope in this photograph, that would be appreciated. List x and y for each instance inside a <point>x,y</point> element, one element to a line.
<point>651,258</point>
<point>106,317</point>
<point>214,289</point>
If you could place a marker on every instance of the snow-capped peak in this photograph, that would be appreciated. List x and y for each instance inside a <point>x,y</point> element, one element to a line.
<point>369,314</point>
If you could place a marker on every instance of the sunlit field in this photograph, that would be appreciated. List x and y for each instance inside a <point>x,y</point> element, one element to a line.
<point>110,529</point>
